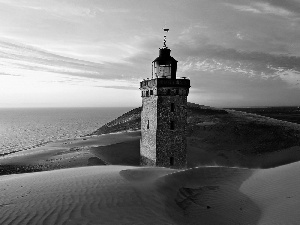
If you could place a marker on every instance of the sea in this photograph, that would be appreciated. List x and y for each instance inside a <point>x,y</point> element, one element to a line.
<point>26,128</point>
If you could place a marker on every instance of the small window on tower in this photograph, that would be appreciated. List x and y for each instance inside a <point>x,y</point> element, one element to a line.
<point>171,161</point>
<point>151,92</point>
<point>172,125</point>
<point>147,93</point>
<point>148,124</point>
<point>172,107</point>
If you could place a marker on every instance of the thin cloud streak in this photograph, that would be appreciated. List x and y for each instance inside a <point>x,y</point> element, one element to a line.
<point>263,8</point>
<point>62,8</point>
<point>23,56</point>
<point>288,5</point>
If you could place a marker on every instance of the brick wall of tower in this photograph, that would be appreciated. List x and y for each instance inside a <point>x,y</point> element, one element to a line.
<point>148,139</point>
<point>159,143</point>
<point>171,143</point>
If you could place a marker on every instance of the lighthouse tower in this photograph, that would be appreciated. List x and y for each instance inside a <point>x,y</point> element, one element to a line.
<point>164,114</point>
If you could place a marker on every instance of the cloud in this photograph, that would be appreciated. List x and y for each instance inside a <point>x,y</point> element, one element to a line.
<point>20,56</point>
<point>213,58</point>
<point>64,9</point>
<point>120,87</point>
<point>225,89</point>
<point>225,50</point>
<point>288,5</point>
<point>245,8</point>
<point>17,59</point>
<point>264,8</point>
<point>8,74</point>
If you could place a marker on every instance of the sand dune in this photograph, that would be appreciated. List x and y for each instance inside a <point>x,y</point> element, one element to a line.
<point>220,195</point>
<point>209,195</point>
<point>90,195</point>
<point>134,195</point>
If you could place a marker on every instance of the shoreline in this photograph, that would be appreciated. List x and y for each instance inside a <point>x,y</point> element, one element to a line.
<point>63,153</point>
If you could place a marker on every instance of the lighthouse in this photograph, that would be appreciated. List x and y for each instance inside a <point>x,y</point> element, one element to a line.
<point>164,114</point>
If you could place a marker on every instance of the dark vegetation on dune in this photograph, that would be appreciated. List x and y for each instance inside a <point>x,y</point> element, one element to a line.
<point>15,169</point>
<point>128,121</point>
<point>227,136</point>
<point>290,114</point>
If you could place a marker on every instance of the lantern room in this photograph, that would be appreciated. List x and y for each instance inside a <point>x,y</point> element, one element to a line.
<point>164,66</point>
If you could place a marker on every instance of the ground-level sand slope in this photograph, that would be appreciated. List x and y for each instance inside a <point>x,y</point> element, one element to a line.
<point>135,195</point>
<point>87,195</point>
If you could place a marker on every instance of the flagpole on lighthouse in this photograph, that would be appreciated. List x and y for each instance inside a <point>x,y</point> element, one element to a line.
<point>165,37</point>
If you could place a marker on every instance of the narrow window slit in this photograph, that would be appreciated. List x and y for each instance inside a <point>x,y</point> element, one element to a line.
<point>172,107</point>
<point>171,161</point>
<point>172,125</point>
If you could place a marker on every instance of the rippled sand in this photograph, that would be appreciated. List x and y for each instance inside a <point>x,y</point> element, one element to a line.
<point>132,195</point>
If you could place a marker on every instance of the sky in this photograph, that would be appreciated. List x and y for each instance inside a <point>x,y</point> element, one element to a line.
<point>94,53</point>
